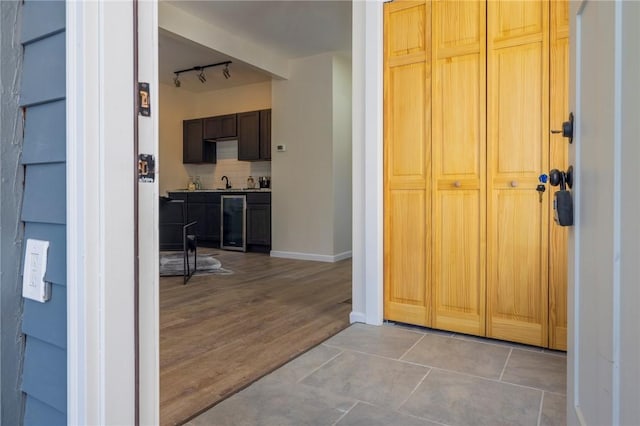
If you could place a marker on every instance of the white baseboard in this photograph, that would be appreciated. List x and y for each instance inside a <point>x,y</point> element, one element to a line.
<point>311,256</point>
<point>357,317</point>
<point>344,255</point>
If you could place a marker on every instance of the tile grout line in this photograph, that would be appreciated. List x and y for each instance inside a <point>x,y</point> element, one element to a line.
<point>374,355</point>
<point>505,365</point>
<point>414,389</point>
<point>540,411</point>
<point>412,346</point>
<point>320,366</point>
<point>345,413</point>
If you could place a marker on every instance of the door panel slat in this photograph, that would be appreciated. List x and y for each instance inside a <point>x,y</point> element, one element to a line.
<point>459,166</point>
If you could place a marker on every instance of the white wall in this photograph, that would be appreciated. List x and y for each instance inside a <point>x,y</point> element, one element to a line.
<point>175,105</point>
<point>304,176</point>
<point>342,154</point>
<point>178,104</point>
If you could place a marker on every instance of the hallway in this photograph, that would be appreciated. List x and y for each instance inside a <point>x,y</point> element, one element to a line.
<point>398,375</point>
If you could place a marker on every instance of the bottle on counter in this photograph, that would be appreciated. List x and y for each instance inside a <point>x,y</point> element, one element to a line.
<point>250,182</point>
<point>191,186</point>
<point>197,183</point>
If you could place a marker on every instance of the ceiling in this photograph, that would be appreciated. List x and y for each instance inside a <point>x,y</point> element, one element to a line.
<point>291,29</point>
<point>176,53</point>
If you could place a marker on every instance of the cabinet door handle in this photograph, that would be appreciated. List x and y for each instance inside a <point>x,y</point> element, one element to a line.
<point>457,184</point>
<point>514,183</point>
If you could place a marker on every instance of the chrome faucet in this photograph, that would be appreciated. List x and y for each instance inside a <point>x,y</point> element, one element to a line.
<point>227,185</point>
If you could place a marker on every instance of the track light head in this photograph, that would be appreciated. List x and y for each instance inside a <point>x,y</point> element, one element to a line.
<point>176,81</point>
<point>202,77</point>
<point>226,72</point>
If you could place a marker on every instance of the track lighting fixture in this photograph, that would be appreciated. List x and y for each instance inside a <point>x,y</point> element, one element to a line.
<point>201,76</point>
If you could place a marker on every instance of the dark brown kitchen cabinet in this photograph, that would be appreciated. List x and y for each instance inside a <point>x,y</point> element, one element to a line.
<point>194,148</point>
<point>259,222</point>
<point>265,134</point>
<point>220,127</point>
<point>203,207</point>
<point>254,135</point>
<point>208,217</point>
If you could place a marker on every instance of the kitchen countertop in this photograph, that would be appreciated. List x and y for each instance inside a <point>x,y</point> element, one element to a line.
<point>224,190</point>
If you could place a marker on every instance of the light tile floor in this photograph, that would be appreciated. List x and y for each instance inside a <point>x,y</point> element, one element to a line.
<point>404,376</point>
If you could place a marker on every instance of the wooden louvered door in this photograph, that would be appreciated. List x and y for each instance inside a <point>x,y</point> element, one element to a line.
<point>459,166</point>
<point>469,246</point>
<point>407,132</point>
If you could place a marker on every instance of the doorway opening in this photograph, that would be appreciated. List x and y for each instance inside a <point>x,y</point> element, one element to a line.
<point>254,310</point>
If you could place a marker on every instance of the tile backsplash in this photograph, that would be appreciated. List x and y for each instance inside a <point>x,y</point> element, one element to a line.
<point>228,165</point>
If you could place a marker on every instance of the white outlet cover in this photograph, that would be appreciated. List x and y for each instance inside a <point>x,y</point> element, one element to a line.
<point>281,148</point>
<point>35,265</point>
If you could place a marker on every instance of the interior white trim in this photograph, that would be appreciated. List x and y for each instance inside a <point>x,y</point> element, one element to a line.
<point>357,317</point>
<point>148,239</point>
<point>100,347</point>
<point>311,256</point>
<point>342,256</point>
<point>574,411</point>
<point>367,171</point>
<point>357,168</point>
<point>373,169</point>
<point>617,209</point>
<point>84,398</point>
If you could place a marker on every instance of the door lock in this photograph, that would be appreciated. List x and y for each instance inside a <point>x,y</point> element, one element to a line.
<point>562,201</point>
<point>567,129</point>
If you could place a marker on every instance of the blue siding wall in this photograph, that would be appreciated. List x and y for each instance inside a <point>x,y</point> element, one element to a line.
<point>44,379</point>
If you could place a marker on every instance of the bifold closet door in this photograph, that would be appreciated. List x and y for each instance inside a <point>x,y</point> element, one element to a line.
<point>518,152</point>
<point>407,165</point>
<point>468,244</point>
<point>459,166</point>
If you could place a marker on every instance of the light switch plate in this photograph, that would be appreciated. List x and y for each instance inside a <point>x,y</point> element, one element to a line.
<point>35,265</point>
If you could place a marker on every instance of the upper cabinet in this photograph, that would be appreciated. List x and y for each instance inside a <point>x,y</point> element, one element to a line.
<point>265,134</point>
<point>220,128</point>
<point>194,148</point>
<point>254,135</point>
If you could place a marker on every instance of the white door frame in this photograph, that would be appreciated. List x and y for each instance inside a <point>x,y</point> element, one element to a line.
<point>100,360</point>
<point>367,142</point>
<point>100,222</point>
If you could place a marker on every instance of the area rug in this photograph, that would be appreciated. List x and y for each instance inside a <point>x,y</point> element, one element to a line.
<point>171,264</point>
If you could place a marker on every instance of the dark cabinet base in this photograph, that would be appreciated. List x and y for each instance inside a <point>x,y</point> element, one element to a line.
<point>254,248</point>
<point>204,207</point>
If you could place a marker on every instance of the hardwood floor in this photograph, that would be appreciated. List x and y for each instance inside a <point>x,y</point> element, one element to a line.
<point>220,333</point>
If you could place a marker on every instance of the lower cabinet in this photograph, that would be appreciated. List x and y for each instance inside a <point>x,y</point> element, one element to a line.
<point>208,217</point>
<point>205,208</point>
<point>259,222</point>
